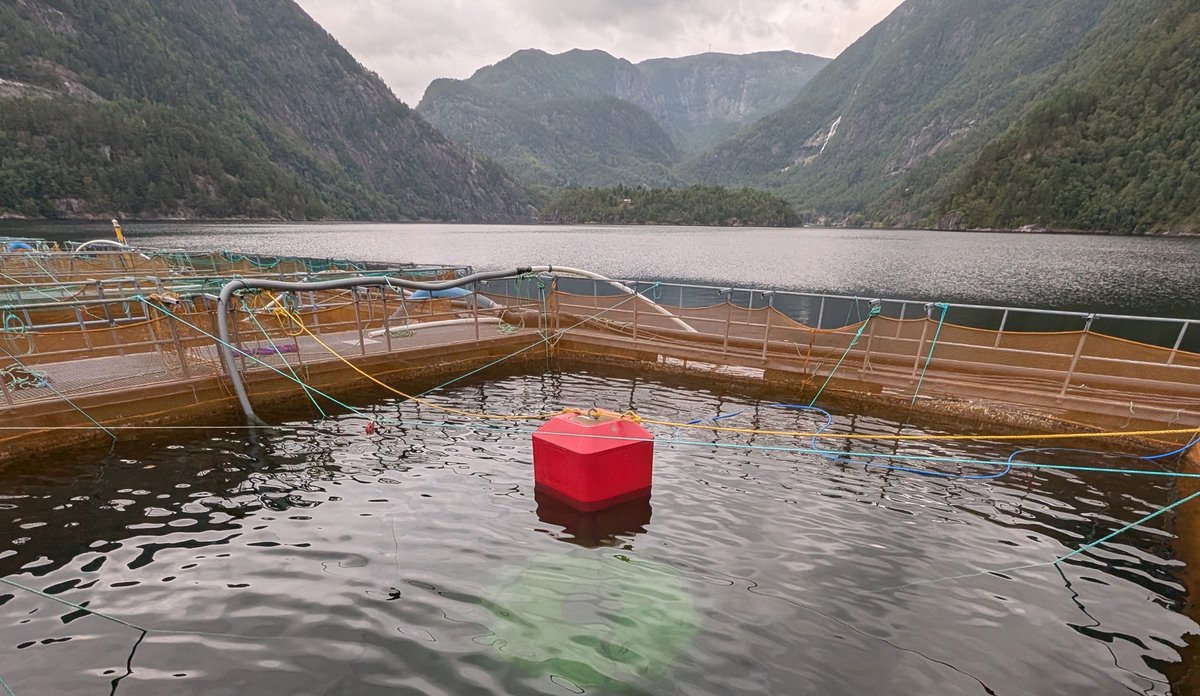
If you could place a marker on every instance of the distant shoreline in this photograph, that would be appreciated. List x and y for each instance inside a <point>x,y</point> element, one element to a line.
<point>7,219</point>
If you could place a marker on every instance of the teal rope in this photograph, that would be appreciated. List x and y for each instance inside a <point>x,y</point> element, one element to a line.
<point>7,689</point>
<point>1131,525</point>
<point>77,607</point>
<point>64,397</point>
<point>928,358</point>
<point>267,365</point>
<point>811,450</point>
<point>285,361</point>
<point>853,342</point>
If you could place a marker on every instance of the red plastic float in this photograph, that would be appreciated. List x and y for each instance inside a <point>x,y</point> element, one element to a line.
<point>593,462</point>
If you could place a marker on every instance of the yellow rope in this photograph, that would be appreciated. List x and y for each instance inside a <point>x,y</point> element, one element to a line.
<point>632,415</point>
<point>874,436</point>
<point>459,412</point>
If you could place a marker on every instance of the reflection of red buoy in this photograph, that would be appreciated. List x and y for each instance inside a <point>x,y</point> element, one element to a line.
<point>593,462</point>
<point>370,427</point>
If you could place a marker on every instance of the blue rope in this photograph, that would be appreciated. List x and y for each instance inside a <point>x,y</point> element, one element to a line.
<point>1009,463</point>
<point>716,418</point>
<point>929,358</point>
<point>844,457</point>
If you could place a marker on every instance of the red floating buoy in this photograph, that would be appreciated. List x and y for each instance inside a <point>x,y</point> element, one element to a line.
<point>593,462</point>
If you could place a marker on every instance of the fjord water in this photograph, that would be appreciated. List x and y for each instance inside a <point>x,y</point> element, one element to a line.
<point>1114,275</point>
<point>320,559</point>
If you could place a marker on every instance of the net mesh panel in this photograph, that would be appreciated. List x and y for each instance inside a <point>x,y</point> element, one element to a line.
<point>81,344</point>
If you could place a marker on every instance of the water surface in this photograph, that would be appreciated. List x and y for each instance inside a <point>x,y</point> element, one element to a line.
<point>418,559</point>
<point>1116,275</point>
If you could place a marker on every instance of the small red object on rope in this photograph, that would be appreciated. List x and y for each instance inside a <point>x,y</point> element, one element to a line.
<point>370,427</point>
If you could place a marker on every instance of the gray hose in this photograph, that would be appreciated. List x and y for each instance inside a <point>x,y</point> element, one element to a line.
<point>233,286</point>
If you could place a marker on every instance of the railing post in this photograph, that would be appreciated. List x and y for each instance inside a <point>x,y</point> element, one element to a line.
<point>296,338</point>
<point>362,340</point>
<point>1178,342</point>
<point>770,295</point>
<point>474,289</point>
<point>183,366</point>
<point>316,315</point>
<point>1087,325</point>
<point>870,335</point>
<point>921,343</point>
<point>728,292</point>
<point>83,329</point>
<point>635,310</point>
<point>387,322</point>
<point>1000,331</point>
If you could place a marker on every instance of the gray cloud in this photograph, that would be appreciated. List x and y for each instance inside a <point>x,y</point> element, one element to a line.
<point>411,42</point>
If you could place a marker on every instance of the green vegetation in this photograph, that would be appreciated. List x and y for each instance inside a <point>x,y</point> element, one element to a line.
<point>585,118</point>
<point>1116,151</point>
<point>202,108</point>
<point>1071,114</point>
<point>696,205</point>
<point>888,128</point>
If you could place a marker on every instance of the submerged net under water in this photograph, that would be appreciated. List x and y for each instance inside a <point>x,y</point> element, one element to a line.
<point>417,559</point>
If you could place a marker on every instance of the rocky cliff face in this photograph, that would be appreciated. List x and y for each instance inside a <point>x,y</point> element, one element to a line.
<point>685,104</point>
<point>889,127</point>
<point>704,99</point>
<point>296,111</point>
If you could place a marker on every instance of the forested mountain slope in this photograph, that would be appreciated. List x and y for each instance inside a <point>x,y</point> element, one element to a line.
<point>1116,148</point>
<point>887,130</point>
<point>216,108</point>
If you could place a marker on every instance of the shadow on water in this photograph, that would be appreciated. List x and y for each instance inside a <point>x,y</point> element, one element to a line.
<point>613,526</point>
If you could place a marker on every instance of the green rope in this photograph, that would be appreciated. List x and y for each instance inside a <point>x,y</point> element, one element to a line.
<point>265,364</point>
<point>18,377</point>
<point>64,397</point>
<point>928,358</point>
<point>1131,525</point>
<point>853,342</point>
<point>285,361</point>
<point>13,328</point>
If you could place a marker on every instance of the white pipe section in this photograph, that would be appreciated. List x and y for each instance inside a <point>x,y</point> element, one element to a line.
<point>565,270</point>
<point>431,324</point>
<point>108,243</point>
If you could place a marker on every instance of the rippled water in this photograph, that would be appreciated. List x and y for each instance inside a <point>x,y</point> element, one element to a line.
<point>322,559</point>
<point>1116,275</point>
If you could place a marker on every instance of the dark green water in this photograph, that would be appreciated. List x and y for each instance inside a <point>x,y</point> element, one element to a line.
<point>418,560</point>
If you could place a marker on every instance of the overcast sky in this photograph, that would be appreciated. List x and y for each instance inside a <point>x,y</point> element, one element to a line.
<point>411,42</point>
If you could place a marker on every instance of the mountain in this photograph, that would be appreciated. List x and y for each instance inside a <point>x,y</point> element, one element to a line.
<point>887,131</point>
<point>704,99</point>
<point>585,118</point>
<point>216,108</point>
<point>1116,147</point>
<point>557,142</point>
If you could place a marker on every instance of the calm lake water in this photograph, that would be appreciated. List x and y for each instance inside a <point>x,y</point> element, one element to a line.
<point>418,560</point>
<point>1116,275</point>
